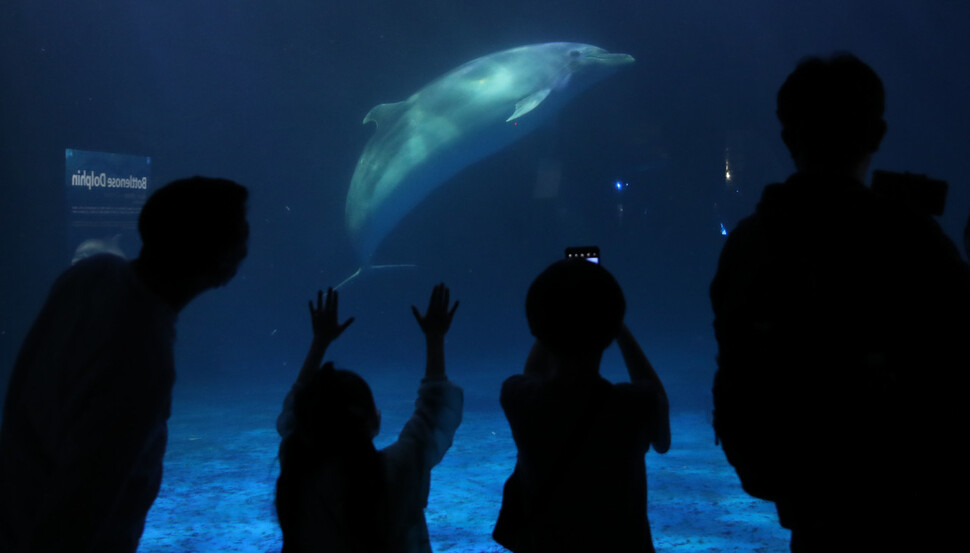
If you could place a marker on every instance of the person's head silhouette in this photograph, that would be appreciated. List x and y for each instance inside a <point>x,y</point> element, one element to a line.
<point>575,308</point>
<point>194,237</point>
<point>831,112</point>
<point>336,406</point>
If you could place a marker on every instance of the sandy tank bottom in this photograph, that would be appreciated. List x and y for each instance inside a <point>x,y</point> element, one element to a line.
<point>221,468</point>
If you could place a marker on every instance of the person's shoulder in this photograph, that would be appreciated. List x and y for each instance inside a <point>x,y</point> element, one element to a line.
<point>102,262</point>
<point>793,194</point>
<point>519,386</point>
<point>90,276</point>
<point>774,196</point>
<point>520,380</point>
<point>96,267</point>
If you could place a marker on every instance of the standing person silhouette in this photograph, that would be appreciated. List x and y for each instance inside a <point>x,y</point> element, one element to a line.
<point>338,493</point>
<point>841,315</point>
<point>85,419</point>
<point>580,482</point>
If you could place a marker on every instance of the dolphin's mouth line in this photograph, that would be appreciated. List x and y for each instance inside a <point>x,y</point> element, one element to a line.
<point>613,59</point>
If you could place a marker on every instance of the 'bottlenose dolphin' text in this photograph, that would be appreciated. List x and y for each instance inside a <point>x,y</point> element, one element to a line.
<point>91,180</point>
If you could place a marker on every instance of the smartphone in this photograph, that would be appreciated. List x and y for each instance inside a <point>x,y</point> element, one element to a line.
<point>589,253</point>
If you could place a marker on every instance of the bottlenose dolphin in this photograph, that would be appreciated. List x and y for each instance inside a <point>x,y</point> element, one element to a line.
<point>458,119</point>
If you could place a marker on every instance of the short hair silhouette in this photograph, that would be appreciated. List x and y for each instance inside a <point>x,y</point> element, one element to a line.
<point>832,109</point>
<point>575,306</point>
<point>194,219</point>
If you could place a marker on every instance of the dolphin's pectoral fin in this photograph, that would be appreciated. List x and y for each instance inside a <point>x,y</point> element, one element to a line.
<point>529,103</point>
<point>382,112</point>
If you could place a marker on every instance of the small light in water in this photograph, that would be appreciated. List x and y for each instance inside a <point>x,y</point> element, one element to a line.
<point>620,185</point>
<point>723,230</point>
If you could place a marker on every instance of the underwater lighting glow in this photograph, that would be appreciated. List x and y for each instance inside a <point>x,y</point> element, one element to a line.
<point>620,185</point>
<point>723,230</point>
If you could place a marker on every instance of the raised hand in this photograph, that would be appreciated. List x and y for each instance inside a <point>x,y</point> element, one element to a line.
<point>437,319</point>
<point>326,329</point>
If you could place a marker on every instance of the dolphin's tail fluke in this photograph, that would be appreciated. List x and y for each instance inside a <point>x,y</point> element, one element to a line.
<point>363,269</point>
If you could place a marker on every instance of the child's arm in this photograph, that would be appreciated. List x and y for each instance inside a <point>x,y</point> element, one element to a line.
<point>326,329</point>
<point>437,414</point>
<point>435,325</point>
<point>641,371</point>
<point>539,362</point>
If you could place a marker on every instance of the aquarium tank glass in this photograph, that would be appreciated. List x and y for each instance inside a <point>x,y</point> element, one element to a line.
<point>390,146</point>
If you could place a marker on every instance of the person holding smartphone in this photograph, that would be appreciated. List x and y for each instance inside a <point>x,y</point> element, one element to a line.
<point>580,479</point>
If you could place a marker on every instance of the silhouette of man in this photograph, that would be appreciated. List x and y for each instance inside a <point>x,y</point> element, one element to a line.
<point>85,420</point>
<point>580,480</point>
<point>841,316</point>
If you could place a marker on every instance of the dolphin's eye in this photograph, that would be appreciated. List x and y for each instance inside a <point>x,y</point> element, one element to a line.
<point>574,53</point>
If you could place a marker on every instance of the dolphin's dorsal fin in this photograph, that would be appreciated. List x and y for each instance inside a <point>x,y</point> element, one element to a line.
<point>381,112</point>
<point>529,103</point>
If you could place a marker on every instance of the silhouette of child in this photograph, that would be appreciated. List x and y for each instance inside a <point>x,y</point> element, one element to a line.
<point>580,479</point>
<point>336,492</point>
